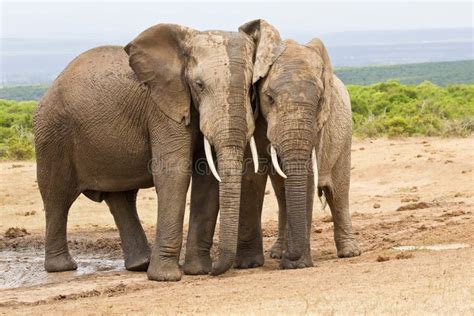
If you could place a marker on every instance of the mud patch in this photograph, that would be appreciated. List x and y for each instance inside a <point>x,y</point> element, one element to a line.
<point>26,269</point>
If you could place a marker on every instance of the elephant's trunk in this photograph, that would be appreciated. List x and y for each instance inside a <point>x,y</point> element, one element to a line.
<point>229,160</point>
<point>296,156</point>
<point>296,190</point>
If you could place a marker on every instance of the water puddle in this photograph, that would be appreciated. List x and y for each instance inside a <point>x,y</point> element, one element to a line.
<point>26,269</point>
<point>436,247</point>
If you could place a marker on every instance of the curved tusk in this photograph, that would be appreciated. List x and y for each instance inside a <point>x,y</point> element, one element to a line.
<point>315,167</point>
<point>210,160</point>
<point>253,149</point>
<point>275,162</point>
<point>322,198</point>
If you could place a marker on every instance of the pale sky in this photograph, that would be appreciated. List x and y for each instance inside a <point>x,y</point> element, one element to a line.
<point>122,20</point>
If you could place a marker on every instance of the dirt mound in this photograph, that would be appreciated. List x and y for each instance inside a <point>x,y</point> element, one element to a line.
<point>15,232</point>
<point>413,206</point>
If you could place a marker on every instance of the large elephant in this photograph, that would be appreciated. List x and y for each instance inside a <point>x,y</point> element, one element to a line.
<point>205,193</point>
<point>303,106</point>
<point>111,124</point>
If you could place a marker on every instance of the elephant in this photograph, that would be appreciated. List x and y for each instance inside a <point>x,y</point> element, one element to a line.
<point>303,109</point>
<point>307,110</point>
<point>205,193</point>
<point>119,119</point>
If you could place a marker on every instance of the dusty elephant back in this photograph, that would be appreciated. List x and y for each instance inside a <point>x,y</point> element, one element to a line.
<point>97,111</point>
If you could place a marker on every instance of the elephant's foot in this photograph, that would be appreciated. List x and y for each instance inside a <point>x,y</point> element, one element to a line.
<point>59,263</point>
<point>249,261</point>
<point>196,265</point>
<point>164,270</point>
<point>304,262</point>
<point>138,262</point>
<point>276,251</point>
<point>348,248</point>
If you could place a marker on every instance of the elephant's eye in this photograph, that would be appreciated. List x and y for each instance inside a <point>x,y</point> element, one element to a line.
<point>270,99</point>
<point>199,85</point>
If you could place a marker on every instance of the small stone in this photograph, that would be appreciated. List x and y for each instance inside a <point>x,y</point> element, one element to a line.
<point>376,205</point>
<point>422,227</point>
<point>326,219</point>
<point>382,258</point>
<point>404,255</point>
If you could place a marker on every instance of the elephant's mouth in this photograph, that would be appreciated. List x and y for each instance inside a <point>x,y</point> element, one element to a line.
<point>210,159</point>
<point>276,164</point>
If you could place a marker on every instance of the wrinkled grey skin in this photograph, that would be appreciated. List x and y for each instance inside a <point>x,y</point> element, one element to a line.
<point>112,124</point>
<point>302,105</point>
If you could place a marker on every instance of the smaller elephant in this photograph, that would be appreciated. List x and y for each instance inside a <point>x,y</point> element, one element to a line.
<point>306,109</point>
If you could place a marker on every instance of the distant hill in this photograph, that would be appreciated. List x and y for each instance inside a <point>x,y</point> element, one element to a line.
<point>23,93</point>
<point>440,73</point>
<point>29,61</point>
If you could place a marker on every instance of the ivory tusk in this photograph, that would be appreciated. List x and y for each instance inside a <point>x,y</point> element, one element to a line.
<point>253,149</point>
<point>210,159</point>
<point>275,162</point>
<point>322,198</point>
<point>315,167</point>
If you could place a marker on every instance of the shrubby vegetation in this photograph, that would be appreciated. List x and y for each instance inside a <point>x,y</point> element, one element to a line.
<point>393,109</point>
<point>16,129</point>
<point>383,109</point>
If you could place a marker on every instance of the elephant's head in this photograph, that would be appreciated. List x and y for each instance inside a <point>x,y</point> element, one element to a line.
<point>294,97</point>
<point>212,71</point>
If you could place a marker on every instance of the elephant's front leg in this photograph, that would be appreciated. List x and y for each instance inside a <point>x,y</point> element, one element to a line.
<point>171,183</point>
<point>202,219</point>
<point>250,244</point>
<point>281,244</point>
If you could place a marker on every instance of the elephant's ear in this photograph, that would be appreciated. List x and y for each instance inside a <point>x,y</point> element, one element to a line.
<point>268,46</point>
<point>324,108</point>
<point>157,56</point>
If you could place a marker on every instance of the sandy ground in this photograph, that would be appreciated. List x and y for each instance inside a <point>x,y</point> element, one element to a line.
<point>430,178</point>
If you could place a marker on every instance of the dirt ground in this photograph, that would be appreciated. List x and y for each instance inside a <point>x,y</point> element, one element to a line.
<point>407,192</point>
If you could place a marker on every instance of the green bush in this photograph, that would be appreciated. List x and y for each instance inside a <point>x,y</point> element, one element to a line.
<point>16,129</point>
<point>20,148</point>
<point>392,109</point>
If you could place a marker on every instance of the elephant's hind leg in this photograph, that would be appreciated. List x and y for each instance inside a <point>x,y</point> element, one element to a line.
<point>59,190</point>
<point>337,195</point>
<point>134,242</point>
